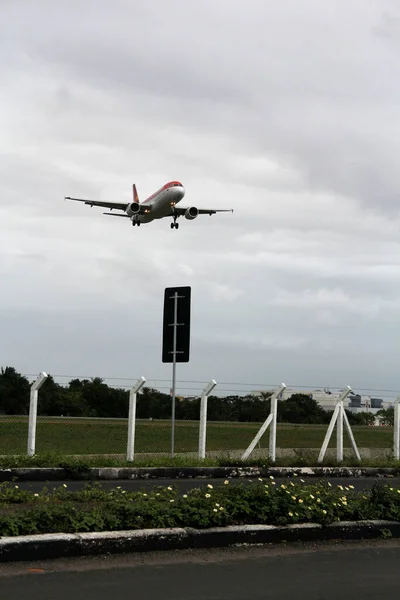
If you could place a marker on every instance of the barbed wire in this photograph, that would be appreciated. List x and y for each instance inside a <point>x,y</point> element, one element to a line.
<point>197,386</point>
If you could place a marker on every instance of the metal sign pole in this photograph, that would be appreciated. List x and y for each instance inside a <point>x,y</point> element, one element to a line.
<point>176,343</point>
<point>175,325</point>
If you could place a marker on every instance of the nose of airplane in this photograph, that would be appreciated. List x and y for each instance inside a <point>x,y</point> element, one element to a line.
<point>181,192</point>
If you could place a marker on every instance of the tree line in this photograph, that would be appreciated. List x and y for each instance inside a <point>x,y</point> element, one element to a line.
<point>94,398</point>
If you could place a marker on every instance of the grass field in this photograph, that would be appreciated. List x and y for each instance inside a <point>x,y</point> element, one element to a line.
<point>109,436</point>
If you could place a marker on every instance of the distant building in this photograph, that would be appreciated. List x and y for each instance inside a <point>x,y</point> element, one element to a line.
<point>327,399</point>
<point>376,403</point>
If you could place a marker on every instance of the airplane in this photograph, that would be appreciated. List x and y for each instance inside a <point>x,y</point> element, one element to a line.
<point>161,204</point>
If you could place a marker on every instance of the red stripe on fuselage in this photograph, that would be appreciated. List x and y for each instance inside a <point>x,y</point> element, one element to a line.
<point>164,187</point>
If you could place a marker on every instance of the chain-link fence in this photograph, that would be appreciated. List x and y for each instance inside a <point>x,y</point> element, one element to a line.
<point>235,414</point>
<point>105,436</point>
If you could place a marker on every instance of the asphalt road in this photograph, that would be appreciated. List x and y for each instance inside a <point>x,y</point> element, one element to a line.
<point>318,572</point>
<point>183,485</point>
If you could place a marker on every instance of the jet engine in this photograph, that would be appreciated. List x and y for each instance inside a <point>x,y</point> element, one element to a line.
<point>133,209</point>
<point>191,213</point>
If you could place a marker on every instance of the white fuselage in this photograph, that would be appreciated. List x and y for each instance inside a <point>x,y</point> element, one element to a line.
<point>162,203</point>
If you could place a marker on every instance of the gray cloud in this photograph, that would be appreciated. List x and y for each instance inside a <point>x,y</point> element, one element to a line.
<point>318,92</point>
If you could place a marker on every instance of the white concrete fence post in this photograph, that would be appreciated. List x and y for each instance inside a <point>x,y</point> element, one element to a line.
<point>396,432</point>
<point>339,433</point>
<point>271,420</point>
<point>33,412</point>
<point>130,452</point>
<point>203,417</point>
<point>338,418</point>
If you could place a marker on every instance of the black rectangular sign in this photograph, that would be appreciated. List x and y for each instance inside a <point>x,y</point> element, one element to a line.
<point>182,328</point>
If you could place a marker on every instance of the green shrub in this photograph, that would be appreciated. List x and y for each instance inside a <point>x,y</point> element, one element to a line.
<point>265,502</point>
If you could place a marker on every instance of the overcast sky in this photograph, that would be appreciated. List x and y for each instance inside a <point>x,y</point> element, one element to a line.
<point>287,112</point>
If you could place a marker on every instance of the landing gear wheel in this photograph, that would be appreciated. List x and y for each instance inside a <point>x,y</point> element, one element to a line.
<point>172,225</point>
<point>176,225</point>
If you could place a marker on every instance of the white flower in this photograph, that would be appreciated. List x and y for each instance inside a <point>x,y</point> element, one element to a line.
<point>271,477</point>
<point>324,512</point>
<point>208,495</point>
<point>16,487</point>
<point>169,488</point>
<point>172,500</point>
<point>184,496</point>
<point>36,495</point>
<point>65,485</point>
<point>210,487</point>
<point>215,509</point>
<point>221,508</point>
<point>216,504</point>
<point>226,482</point>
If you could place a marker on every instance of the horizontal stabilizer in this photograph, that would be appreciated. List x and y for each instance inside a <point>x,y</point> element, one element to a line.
<point>116,215</point>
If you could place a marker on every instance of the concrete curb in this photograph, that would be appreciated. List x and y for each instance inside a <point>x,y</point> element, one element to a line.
<point>43,547</point>
<point>126,473</point>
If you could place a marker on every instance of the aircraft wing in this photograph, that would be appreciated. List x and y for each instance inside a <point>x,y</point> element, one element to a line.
<point>180,210</point>
<point>110,205</point>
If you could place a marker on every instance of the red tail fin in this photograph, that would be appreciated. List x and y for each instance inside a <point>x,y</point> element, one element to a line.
<point>135,194</point>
